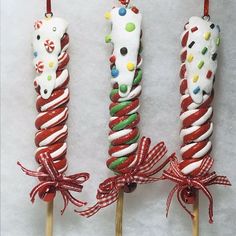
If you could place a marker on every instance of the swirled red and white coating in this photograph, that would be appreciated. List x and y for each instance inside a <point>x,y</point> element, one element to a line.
<point>124,132</point>
<point>197,126</point>
<point>53,114</point>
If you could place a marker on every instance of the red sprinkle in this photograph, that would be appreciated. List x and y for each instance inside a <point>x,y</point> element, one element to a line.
<point>135,10</point>
<point>112,59</point>
<point>194,29</point>
<point>209,74</point>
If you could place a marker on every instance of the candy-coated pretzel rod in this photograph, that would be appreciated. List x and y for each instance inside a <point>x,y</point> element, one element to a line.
<point>131,160</point>
<point>50,44</point>
<point>200,42</point>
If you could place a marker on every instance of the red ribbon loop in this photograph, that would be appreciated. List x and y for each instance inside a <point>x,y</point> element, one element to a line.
<point>141,173</point>
<point>52,181</point>
<point>199,182</point>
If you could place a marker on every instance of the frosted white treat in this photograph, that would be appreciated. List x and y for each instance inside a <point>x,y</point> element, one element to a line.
<point>201,61</point>
<point>47,47</point>
<point>125,36</point>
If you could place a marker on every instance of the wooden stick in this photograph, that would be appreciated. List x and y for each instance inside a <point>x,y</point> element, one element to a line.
<point>119,213</point>
<point>196,216</point>
<point>49,219</point>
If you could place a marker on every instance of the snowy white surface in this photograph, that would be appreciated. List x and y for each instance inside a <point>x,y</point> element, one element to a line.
<point>144,209</point>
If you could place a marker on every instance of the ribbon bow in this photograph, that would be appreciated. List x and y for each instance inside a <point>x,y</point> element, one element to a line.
<point>141,173</point>
<point>193,183</point>
<point>52,181</point>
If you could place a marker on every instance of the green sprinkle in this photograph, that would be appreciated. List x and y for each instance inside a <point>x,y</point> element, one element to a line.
<point>204,50</point>
<point>108,38</point>
<point>123,88</point>
<point>49,78</point>
<point>117,162</point>
<point>121,125</point>
<point>138,78</point>
<point>200,65</point>
<point>130,27</point>
<point>218,41</point>
<point>119,107</point>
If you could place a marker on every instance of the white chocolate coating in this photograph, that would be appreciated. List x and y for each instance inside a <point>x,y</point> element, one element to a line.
<point>131,40</point>
<point>47,47</point>
<point>205,41</point>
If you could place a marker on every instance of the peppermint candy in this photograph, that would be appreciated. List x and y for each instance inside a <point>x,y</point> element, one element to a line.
<point>38,24</point>
<point>39,67</point>
<point>49,45</point>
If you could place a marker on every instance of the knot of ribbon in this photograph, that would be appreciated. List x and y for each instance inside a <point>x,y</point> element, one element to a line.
<point>193,183</point>
<point>141,173</point>
<point>52,181</point>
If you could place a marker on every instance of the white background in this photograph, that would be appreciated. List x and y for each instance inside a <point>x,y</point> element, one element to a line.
<point>144,209</point>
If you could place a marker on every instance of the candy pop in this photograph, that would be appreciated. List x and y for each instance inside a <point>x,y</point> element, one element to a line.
<point>200,42</point>
<point>130,159</point>
<point>50,44</point>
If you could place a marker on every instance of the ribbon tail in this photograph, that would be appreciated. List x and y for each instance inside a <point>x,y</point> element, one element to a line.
<point>36,189</point>
<point>90,211</point>
<point>66,202</point>
<point>210,198</point>
<point>73,200</point>
<point>182,204</point>
<point>30,172</point>
<point>169,199</point>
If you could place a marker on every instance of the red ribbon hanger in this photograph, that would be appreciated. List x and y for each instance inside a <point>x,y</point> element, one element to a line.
<point>206,8</point>
<point>48,8</point>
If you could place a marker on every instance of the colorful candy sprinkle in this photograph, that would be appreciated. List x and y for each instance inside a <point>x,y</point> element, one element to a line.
<point>135,10</point>
<point>207,35</point>
<point>130,66</point>
<point>190,58</point>
<point>218,41</point>
<point>194,29</point>
<point>214,56</point>
<point>123,88</point>
<point>122,11</point>
<point>49,78</point>
<point>191,44</point>
<point>209,74</point>
<point>212,26</point>
<point>107,15</point>
<point>130,27</point>
<point>195,78</point>
<point>114,73</point>
<point>108,38</point>
<point>200,64</point>
<point>204,50</point>
<point>113,59</point>
<point>196,90</point>
<point>123,51</point>
<point>51,64</point>
<point>35,54</point>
